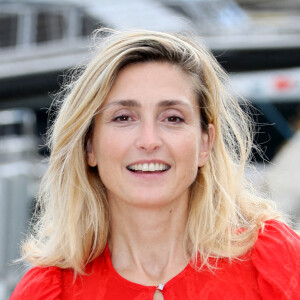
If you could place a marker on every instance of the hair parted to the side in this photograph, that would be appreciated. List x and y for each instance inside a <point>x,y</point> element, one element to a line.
<point>72,226</point>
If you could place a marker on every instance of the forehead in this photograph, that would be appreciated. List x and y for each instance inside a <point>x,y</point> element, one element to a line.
<point>152,81</point>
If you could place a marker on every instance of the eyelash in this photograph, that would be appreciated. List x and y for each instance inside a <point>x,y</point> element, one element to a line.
<point>119,118</point>
<point>126,118</point>
<point>178,119</point>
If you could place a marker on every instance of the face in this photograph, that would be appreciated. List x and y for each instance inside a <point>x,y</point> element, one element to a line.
<point>147,142</point>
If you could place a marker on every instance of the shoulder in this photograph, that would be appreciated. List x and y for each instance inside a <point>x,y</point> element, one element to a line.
<point>39,283</point>
<point>276,257</point>
<point>277,240</point>
<point>54,283</point>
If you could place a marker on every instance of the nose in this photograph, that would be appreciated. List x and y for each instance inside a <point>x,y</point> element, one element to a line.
<point>148,138</point>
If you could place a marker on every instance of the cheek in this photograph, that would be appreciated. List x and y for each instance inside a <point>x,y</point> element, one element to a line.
<point>188,145</point>
<point>106,157</point>
<point>187,154</point>
<point>109,144</point>
<point>111,151</point>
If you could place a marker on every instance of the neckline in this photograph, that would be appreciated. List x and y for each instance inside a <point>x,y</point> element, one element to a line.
<point>138,286</point>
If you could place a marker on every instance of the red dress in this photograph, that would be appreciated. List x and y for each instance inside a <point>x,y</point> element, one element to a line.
<point>271,270</point>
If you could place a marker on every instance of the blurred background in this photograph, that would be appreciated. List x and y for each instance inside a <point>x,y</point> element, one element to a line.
<point>256,41</point>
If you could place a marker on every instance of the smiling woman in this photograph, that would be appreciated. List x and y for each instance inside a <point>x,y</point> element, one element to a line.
<point>145,195</point>
<point>148,132</point>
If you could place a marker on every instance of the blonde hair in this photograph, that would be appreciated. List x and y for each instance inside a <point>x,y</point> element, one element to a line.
<point>72,223</point>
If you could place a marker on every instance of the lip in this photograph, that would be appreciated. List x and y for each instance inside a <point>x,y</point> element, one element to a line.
<point>145,161</point>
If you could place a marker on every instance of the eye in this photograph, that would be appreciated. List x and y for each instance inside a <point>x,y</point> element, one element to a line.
<point>174,119</point>
<point>122,118</point>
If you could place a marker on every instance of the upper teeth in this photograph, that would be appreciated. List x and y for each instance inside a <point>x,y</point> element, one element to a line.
<point>149,167</point>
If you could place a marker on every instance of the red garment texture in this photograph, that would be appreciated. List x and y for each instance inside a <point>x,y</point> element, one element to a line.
<point>271,270</point>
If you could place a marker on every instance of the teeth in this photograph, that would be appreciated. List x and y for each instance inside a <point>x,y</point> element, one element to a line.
<point>152,167</point>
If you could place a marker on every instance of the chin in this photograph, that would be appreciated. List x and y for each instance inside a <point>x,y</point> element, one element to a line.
<point>154,201</point>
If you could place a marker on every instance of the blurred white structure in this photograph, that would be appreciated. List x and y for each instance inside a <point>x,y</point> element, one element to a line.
<point>269,86</point>
<point>47,36</point>
<point>20,171</point>
<point>42,36</point>
<point>283,178</point>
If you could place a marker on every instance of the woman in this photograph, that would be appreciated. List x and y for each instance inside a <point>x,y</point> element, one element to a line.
<point>145,195</point>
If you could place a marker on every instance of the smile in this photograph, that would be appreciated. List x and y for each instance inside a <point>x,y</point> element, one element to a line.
<point>148,167</point>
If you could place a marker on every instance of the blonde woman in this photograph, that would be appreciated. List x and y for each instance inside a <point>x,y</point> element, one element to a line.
<point>145,195</point>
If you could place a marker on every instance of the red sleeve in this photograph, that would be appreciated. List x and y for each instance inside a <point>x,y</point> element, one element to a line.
<point>39,283</point>
<point>276,257</point>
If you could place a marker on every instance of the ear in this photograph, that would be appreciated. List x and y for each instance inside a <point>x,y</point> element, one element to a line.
<point>91,158</point>
<point>207,141</point>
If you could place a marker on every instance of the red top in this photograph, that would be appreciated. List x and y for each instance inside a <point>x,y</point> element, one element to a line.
<point>271,270</point>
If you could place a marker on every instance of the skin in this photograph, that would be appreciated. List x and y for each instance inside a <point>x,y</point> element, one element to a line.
<point>149,115</point>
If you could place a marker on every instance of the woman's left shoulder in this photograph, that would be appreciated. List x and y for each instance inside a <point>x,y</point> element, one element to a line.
<point>276,257</point>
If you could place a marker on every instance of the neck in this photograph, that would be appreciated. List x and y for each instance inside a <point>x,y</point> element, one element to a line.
<point>147,244</point>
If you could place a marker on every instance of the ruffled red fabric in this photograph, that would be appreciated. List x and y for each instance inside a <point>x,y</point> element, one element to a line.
<point>40,283</point>
<point>271,271</point>
<point>276,257</point>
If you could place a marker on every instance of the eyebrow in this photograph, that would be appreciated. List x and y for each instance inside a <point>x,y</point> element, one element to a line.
<point>126,102</point>
<point>134,103</point>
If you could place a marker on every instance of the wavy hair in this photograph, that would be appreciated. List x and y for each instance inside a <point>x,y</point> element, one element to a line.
<point>72,221</point>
